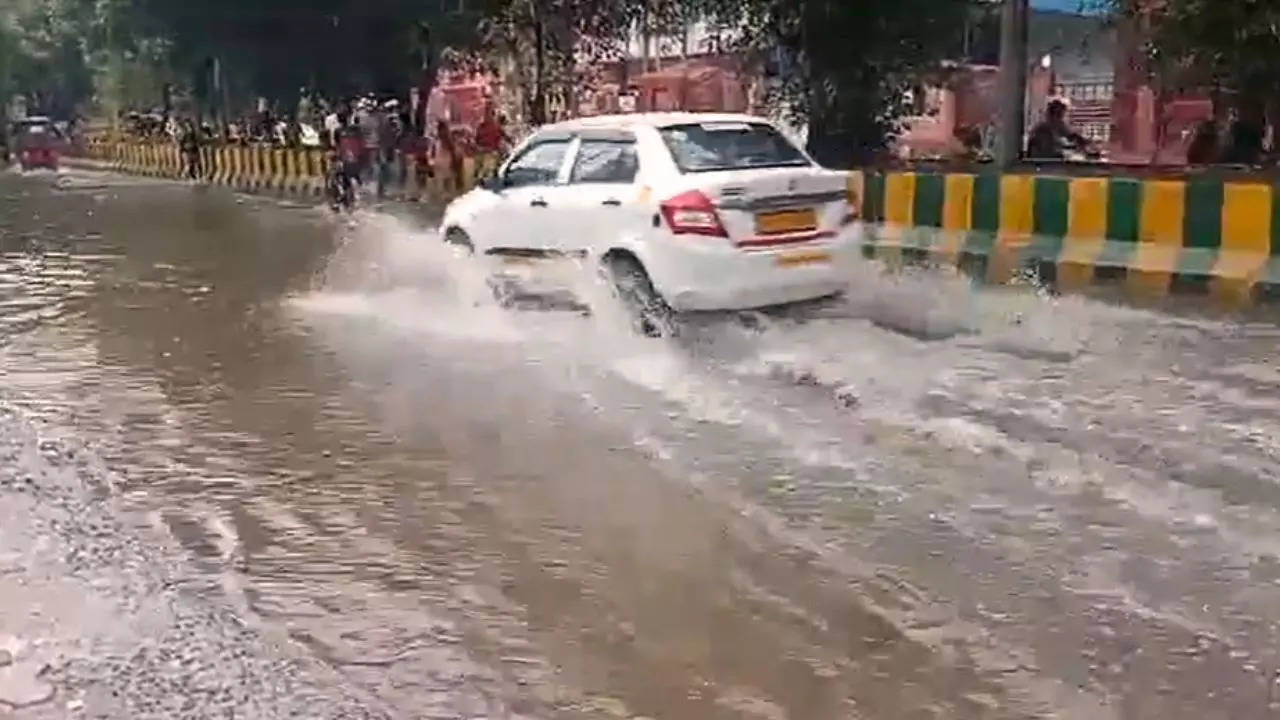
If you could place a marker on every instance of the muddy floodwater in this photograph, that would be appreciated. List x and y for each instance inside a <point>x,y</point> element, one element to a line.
<point>257,462</point>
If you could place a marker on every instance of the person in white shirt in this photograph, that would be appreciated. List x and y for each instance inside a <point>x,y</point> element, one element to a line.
<point>332,124</point>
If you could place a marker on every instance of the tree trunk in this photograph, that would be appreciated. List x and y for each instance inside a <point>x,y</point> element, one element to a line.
<point>644,38</point>
<point>684,36</point>
<point>427,77</point>
<point>624,81</point>
<point>815,102</point>
<point>538,112</point>
<point>1161,120</point>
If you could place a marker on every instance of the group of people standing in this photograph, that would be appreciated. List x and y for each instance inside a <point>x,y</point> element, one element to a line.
<point>370,140</point>
<point>366,137</point>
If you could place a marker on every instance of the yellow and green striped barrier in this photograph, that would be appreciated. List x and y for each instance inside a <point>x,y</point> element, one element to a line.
<point>1156,236</point>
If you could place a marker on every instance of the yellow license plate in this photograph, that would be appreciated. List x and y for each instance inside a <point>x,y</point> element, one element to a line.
<point>803,258</point>
<point>786,221</point>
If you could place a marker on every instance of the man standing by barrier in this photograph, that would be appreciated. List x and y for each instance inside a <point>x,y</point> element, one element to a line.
<point>333,123</point>
<point>364,119</point>
<point>384,150</point>
<point>189,145</point>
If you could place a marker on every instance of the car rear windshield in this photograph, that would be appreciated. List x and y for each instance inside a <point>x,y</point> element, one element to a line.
<point>705,147</point>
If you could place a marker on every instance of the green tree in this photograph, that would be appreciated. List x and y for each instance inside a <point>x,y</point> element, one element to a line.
<point>54,53</point>
<point>1227,48</point>
<point>274,47</point>
<point>845,68</point>
<point>555,47</point>
<point>1231,44</point>
<point>44,54</point>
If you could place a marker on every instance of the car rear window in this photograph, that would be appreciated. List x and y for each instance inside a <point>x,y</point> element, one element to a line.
<point>705,147</point>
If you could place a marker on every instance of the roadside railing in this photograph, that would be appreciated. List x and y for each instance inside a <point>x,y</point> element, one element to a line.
<point>413,176</point>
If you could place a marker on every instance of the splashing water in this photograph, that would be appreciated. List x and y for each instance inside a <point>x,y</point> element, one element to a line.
<point>386,272</point>
<point>407,278</point>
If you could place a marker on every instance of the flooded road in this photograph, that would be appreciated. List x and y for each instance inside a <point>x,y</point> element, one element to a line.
<point>263,463</point>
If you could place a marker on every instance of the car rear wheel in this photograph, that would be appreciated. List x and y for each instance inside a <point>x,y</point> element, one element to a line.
<point>652,316</point>
<point>503,292</point>
<point>458,238</point>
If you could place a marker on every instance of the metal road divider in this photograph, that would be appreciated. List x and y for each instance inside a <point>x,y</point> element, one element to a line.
<point>1154,236</point>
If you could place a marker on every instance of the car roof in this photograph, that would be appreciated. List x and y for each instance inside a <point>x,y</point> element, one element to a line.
<point>648,119</point>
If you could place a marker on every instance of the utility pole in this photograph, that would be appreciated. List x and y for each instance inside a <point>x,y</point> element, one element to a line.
<point>1014,17</point>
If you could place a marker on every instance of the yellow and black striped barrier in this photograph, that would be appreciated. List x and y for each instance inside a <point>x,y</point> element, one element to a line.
<point>292,171</point>
<point>1156,236</point>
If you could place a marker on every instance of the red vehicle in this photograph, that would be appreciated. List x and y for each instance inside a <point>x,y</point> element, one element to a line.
<point>37,143</point>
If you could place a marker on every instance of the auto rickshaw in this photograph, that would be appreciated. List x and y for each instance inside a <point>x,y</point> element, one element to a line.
<point>37,143</point>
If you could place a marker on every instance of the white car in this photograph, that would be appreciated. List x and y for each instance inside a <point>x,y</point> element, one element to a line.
<point>686,211</point>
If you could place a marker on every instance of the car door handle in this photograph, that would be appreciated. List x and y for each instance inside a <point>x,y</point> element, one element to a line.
<point>612,202</point>
<point>537,202</point>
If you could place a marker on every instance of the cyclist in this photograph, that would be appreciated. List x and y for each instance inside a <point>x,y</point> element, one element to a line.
<point>345,163</point>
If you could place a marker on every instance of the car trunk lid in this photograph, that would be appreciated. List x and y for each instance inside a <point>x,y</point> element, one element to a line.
<point>769,208</point>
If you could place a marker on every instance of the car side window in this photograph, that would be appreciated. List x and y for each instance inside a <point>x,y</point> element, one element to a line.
<point>605,161</point>
<point>537,165</point>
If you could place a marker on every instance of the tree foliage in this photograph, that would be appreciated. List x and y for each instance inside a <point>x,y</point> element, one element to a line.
<point>275,47</point>
<point>45,51</point>
<point>842,66</point>
<point>555,47</point>
<point>1191,44</point>
<point>845,67</point>
<point>61,52</point>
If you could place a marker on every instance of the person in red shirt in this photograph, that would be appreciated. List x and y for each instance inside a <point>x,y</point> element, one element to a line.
<point>491,140</point>
<point>490,137</point>
<point>346,162</point>
<point>351,148</point>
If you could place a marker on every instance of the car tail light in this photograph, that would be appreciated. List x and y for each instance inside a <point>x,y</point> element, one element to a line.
<point>691,213</point>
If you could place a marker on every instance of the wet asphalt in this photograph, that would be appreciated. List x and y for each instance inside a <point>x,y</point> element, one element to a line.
<point>257,461</point>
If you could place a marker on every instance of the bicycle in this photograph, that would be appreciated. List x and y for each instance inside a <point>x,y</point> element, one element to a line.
<point>340,186</point>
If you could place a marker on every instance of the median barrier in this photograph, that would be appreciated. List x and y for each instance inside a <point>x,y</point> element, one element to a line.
<point>296,171</point>
<point>291,171</point>
<point>256,178</point>
<point>1156,236</point>
<point>291,183</point>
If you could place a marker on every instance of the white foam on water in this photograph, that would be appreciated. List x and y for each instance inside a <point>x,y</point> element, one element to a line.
<point>922,302</point>
<point>894,338</point>
<point>409,280</point>
<point>892,345</point>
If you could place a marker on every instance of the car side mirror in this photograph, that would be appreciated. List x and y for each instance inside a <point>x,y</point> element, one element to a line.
<point>493,183</point>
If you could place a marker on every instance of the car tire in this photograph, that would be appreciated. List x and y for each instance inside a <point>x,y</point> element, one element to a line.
<point>651,315</point>
<point>503,294</point>
<point>459,238</point>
